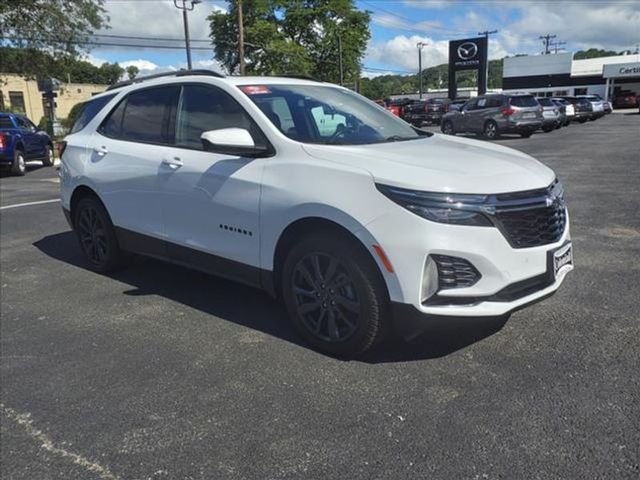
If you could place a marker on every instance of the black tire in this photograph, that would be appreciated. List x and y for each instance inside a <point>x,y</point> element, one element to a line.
<point>582,119</point>
<point>97,236</point>
<point>19,166</point>
<point>48,158</point>
<point>526,134</point>
<point>490,130</point>
<point>447,128</point>
<point>547,129</point>
<point>334,294</point>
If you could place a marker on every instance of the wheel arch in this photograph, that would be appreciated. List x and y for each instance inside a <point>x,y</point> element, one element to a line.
<point>80,192</point>
<point>307,226</point>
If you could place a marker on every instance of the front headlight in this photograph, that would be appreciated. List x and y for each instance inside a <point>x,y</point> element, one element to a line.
<point>452,208</point>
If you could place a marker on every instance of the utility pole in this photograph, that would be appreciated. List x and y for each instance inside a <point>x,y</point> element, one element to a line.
<point>557,46</point>
<point>420,45</point>
<point>546,40</point>
<point>186,9</point>
<point>486,34</point>
<point>240,38</point>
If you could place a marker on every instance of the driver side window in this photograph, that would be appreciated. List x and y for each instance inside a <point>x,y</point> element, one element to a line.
<point>327,124</point>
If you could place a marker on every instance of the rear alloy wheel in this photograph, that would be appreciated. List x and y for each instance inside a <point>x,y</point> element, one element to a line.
<point>447,128</point>
<point>48,159</point>
<point>334,295</point>
<point>19,165</point>
<point>490,130</point>
<point>97,236</point>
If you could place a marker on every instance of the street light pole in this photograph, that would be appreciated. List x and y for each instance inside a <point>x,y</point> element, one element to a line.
<point>186,9</point>
<point>420,45</point>
<point>240,38</point>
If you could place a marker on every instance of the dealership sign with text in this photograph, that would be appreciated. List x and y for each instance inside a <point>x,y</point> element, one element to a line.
<point>467,54</point>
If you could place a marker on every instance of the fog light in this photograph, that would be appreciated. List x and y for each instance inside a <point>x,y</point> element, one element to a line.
<point>430,282</point>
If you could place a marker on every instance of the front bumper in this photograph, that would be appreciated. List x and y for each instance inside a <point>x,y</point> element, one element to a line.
<point>511,278</point>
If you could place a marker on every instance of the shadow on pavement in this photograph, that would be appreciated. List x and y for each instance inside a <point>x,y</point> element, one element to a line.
<point>253,308</point>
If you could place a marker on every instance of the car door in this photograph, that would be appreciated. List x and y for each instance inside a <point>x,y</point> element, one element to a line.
<point>470,113</point>
<point>129,158</point>
<point>211,201</point>
<point>30,138</point>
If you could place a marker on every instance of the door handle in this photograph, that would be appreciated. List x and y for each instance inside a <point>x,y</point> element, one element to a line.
<point>174,162</point>
<point>102,151</point>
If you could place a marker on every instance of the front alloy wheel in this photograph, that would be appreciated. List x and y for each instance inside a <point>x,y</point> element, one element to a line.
<point>334,293</point>
<point>326,297</point>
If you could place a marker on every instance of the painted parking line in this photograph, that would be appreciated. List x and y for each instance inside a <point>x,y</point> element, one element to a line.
<point>6,207</point>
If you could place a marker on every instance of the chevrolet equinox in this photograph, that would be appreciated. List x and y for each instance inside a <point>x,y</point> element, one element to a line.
<point>361,224</point>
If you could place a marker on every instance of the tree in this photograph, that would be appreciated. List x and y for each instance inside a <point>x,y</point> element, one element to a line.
<point>132,71</point>
<point>59,27</point>
<point>293,37</point>
<point>13,60</point>
<point>594,53</point>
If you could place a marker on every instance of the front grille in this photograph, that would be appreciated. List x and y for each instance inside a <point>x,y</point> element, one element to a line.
<point>534,227</point>
<point>533,218</point>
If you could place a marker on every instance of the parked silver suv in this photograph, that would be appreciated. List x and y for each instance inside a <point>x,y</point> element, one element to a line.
<point>492,115</point>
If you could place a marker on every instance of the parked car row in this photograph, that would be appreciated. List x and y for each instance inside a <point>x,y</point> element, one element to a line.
<point>522,113</point>
<point>21,141</point>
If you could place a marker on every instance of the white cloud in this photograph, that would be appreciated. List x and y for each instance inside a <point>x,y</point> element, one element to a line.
<point>143,65</point>
<point>402,51</point>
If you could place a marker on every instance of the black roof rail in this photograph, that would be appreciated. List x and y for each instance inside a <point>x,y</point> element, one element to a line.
<point>293,75</point>
<point>178,73</point>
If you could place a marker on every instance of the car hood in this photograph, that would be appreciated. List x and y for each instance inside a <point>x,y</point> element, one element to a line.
<point>442,163</point>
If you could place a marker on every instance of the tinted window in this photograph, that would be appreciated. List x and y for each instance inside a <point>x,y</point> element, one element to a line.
<point>524,101</point>
<point>23,123</point>
<point>545,102</point>
<point>494,102</point>
<point>5,122</point>
<point>112,125</point>
<point>471,104</point>
<point>205,108</point>
<point>89,110</point>
<point>147,115</point>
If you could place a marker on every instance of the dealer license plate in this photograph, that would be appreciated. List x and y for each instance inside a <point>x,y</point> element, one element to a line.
<point>562,258</point>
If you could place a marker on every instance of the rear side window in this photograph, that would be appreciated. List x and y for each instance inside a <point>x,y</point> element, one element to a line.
<point>144,116</point>
<point>524,101</point>
<point>5,122</point>
<point>545,102</point>
<point>493,102</point>
<point>88,111</point>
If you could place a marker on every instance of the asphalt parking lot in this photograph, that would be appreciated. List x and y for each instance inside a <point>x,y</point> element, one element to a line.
<point>162,373</point>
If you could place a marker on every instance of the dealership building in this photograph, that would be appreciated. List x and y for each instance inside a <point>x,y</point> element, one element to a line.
<point>560,74</point>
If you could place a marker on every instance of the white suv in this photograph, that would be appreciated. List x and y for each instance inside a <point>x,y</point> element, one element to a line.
<point>359,222</point>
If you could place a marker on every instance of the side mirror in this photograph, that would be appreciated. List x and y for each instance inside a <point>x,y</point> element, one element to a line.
<point>232,141</point>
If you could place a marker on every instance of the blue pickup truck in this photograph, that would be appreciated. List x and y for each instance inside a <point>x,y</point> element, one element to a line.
<point>21,141</point>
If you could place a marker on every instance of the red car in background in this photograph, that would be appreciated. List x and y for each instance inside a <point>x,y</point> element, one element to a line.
<point>625,99</point>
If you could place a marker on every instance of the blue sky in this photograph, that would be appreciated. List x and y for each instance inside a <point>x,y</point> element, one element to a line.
<point>396,26</point>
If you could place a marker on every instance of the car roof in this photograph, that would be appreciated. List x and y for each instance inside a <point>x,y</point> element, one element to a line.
<point>238,80</point>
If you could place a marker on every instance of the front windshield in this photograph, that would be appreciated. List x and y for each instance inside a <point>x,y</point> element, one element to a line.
<point>328,115</point>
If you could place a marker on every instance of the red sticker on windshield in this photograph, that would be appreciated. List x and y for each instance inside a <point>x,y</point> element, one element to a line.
<point>255,89</point>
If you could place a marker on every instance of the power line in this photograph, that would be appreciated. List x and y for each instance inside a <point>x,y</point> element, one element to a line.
<point>108,44</point>
<point>130,37</point>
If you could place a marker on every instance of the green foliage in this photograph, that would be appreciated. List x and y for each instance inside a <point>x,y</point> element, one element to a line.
<point>57,27</point>
<point>432,78</point>
<point>595,53</point>
<point>132,71</point>
<point>293,37</point>
<point>17,60</point>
